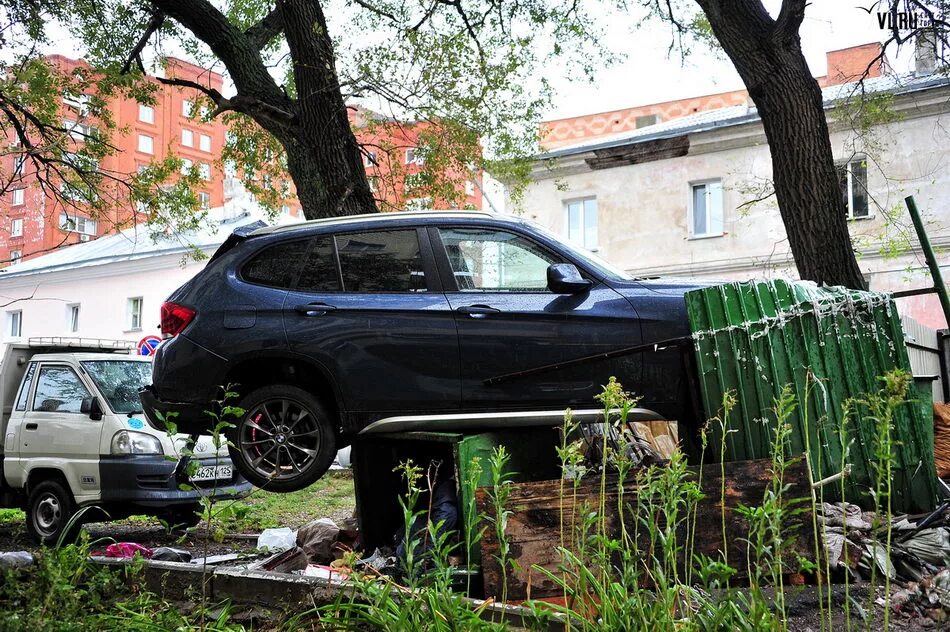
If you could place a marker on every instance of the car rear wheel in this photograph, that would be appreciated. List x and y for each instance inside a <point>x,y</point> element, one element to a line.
<point>49,510</point>
<point>285,441</point>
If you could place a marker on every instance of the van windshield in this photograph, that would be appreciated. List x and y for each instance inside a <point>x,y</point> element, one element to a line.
<point>119,382</point>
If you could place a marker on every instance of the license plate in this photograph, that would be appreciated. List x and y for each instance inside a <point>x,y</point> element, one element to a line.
<point>211,473</point>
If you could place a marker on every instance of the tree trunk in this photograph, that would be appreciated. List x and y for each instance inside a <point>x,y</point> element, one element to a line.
<point>324,157</point>
<point>767,54</point>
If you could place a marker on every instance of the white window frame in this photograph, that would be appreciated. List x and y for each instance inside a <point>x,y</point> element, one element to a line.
<point>412,158</point>
<point>186,165</point>
<point>15,324</point>
<point>204,170</point>
<point>419,204</point>
<point>16,227</point>
<point>72,317</point>
<point>78,224</point>
<point>204,143</point>
<point>146,144</point>
<point>19,165</point>
<point>370,160</point>
<point>204,199</point>
<point>15,256</point>
<point>133,313</point>
<point>187,107</point>
<point>190,142</point>
<point>18,197</point>
<point>146,113</point>
<point>846,165</point>
<point>713,228</point>
<point>585,240</point>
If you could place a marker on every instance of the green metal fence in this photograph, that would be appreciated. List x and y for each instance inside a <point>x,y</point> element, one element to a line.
<point>831,345</point>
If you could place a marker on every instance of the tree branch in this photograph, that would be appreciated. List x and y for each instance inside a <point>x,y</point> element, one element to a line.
<point>270,26</point>
<point>158,18</point>
<point>790,17</point>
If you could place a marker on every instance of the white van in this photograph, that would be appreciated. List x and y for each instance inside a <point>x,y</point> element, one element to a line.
<point>74,435</point>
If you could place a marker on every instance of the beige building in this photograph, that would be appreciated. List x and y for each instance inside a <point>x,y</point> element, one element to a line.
<point>690,196</point>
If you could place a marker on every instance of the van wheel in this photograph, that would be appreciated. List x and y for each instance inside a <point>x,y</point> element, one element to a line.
<point>285,440</point>
<point>49,510</point>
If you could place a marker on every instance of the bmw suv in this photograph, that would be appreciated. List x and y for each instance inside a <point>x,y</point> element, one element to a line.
<point>437,320</point>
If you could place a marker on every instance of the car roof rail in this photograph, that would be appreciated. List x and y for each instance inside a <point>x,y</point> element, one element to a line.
<point>86,344</point>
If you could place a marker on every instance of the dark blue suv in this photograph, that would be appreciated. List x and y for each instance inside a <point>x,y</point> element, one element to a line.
<point>437,320</point>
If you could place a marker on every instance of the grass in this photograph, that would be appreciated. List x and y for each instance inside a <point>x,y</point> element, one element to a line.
<point>11,517</point>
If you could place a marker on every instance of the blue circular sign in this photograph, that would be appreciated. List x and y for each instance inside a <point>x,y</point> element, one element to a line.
<point>148,345</point>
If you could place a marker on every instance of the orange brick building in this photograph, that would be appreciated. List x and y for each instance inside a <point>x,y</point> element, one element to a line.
<point>844,66</point>
<point>32,222</point>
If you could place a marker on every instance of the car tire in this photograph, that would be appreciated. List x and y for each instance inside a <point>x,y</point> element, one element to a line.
<point>284,441</point>
<point>48,512</point>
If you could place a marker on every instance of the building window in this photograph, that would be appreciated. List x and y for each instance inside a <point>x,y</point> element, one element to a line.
<point>413,157</point>
<point>853,181</point>
<point>187,138</point>
<point>80,131</point>
<point>146,144</point>
<point>186,166</point>
<point>204,169</point>
<point>581,222</point>
<point>19,165</point>
<point>133,313</point>
<point>72,318</point>
<point>76,224</point>
<point>187,107</point>
<point>705,209</point>
<point>419,204</point>
<point>204,199</point>
<point>285,209</point>
<point>369,159</point>
<point>204,143</point>
<point>16,227</point>
<point>469,188</point>
<point>646,120</point>
<point>146,113</point>
<point>15,324</point>
<point>15,256</point>
<point>373,182</point>
<point>19,196</point>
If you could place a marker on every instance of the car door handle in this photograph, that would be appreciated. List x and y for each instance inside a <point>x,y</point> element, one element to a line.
<point>314,309</point>
<point>31,426</point>
<point>477,311</point>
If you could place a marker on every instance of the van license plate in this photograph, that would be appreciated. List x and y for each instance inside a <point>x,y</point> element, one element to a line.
<point>211,473</point>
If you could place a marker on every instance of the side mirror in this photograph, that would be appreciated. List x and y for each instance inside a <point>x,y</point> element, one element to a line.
<point>564,278</point>
<point>91,406</point>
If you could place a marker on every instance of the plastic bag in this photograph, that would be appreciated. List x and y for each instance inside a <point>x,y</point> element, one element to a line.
<point>277,539</point>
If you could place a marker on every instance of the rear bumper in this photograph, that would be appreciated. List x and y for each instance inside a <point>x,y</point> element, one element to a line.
<point>154,482</point>
<point>188,417</point>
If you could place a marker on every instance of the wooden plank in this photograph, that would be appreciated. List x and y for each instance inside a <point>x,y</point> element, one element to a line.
<point>534,528</point>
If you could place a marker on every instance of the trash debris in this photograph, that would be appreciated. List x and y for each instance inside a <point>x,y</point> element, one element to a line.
<point>127,550</point>
<point>15,559</point>
<point>929,597</point>
<point>317,539</point>
<point>325,572</point>
<point>213,560</point>
<point>293,559</point>
<point>942,439</point>
<point>279,539</point>
<point>169,554</point>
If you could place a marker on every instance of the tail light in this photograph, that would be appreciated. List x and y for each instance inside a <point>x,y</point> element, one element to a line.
<point>175,318</point>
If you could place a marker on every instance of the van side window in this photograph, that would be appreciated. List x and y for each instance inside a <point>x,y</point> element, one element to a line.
<point>59,390</point>
<point>381,261</point>
<point>25,387</point>
<point>276,266</point>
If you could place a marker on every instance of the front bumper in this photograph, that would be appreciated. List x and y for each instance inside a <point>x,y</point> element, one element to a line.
<point>154,482</point>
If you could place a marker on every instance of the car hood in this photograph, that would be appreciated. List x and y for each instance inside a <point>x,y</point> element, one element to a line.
<point>668,286</point>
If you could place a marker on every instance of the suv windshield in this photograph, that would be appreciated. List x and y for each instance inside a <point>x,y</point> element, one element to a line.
<point>119,382</point>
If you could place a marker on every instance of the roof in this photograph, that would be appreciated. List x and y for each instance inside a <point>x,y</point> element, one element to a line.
<point>739,114</point>
<point>130,244</point>
<point>406,216</point>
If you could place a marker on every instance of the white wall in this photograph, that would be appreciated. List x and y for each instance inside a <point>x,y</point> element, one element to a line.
<point>102,292</point>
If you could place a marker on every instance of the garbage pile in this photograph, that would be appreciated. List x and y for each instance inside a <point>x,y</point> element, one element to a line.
<point>855,540</point>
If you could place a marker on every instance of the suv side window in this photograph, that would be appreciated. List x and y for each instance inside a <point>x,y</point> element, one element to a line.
<point>59,390</point>
<point>381,261</point>
<point>25,387</point>
<point>276,265</point>
<point>320,273</point>
<point>488,260</point>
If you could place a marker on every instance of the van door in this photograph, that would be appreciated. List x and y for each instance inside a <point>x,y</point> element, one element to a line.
<point>54,433</point>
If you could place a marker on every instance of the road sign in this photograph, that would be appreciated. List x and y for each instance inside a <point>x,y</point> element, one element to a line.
<point>148,345</point>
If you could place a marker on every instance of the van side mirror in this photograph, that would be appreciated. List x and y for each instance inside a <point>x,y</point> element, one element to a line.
<point>564,278</point>
<point>91,406</point>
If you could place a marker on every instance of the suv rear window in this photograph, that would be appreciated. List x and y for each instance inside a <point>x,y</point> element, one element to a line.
<point>275,266</point>
<point>381,261</point>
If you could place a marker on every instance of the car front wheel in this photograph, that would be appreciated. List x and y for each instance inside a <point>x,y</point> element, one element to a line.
<point>49,510</point>
<point>285,439</point>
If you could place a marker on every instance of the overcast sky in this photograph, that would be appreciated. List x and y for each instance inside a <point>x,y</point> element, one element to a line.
<point>648,75</point>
